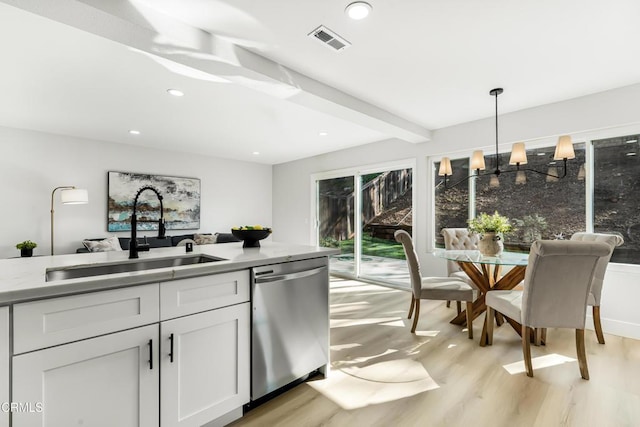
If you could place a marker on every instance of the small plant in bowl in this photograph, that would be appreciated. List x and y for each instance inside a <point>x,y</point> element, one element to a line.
<point>491,227</point>
<point>486,223</point>
<point>26,248</point>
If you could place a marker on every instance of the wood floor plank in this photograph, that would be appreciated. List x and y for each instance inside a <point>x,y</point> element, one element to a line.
<point>382,375</point>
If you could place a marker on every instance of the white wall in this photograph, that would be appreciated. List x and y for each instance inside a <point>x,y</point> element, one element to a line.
<point>32,164</point>
<point>579,117</point>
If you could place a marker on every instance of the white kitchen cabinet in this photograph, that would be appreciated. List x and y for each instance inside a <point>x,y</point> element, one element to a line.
<point>4,366</point>
<point>106,381</point>
<point>204,360</point>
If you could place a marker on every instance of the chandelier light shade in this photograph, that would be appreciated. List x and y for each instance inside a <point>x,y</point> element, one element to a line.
<point>564,151</point>
<point>477,160</point>
<point>445,167</point>
<point>69,195</point>
<point>518,154</point>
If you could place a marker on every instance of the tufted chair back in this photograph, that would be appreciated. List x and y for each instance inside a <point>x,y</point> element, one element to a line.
<point>612,240</point>
<point>458,238</point>
<point>557,282</point>
<point>412,260</point>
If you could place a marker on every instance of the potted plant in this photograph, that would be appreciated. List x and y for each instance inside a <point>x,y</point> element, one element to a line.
<point>492,229</point>
<point>26,248</point>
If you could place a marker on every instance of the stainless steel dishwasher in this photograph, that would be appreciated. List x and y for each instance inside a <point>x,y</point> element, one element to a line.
<point>290,323</point>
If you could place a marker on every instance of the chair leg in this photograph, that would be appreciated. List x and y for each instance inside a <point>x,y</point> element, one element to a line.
<point>537,335</point>
<point>543,336</point>
<point>597,325</point>
<point>526,350</point>
<point>582,354</point>
<point>459,306</point>
<point>448,304</point>
<point>413,300</point>
<point>416,304</point>
<point>470,319</point>
<point>488,321</point>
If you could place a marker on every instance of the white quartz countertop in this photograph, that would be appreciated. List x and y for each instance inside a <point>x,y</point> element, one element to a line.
<point>23,279</point>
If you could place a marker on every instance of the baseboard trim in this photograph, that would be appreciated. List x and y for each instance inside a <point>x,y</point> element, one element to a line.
<point>617,327</point>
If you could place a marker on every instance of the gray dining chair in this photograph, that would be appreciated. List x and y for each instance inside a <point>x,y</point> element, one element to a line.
<point>460,239</point>
<point>433,288</point>
<point>557,281</point>
<point>613,240</point>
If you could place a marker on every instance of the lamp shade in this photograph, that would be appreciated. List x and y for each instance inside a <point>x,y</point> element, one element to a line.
<point>445,167</point>
<point>564,148</point>
<point>74,196</point>
<point>477,160</point>
<point>552,174</point>
<point>518,154</point>
<point>494,182</point>
<point>521,178</point>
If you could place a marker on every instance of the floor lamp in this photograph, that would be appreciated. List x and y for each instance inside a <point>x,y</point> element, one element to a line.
<point>69,195</point>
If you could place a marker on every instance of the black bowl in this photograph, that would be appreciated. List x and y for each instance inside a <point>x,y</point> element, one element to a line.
<point>251,237</point>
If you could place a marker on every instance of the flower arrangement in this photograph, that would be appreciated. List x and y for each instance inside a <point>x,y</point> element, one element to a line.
<point>486,223</point>
<point>27,244</point>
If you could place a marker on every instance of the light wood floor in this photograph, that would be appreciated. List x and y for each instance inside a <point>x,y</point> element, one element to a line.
<point>382,375</point>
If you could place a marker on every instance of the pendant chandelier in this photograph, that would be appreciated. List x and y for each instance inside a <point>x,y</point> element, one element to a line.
<point>564,151</point>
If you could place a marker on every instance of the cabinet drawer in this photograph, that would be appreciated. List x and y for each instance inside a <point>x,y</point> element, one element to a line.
<point>188,296</point>
<point>56,321</point>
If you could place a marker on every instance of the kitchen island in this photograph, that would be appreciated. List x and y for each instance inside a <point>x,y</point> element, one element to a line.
<point>167,346</point>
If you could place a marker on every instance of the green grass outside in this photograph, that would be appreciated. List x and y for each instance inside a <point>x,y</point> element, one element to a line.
<point>375,246</point>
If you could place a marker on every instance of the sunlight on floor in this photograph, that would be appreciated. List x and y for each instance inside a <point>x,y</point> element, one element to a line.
<point>354,387</point>
<point>345,346</point>
<point>344,323</point>
<point>538,363</point>
<point>427,333</point>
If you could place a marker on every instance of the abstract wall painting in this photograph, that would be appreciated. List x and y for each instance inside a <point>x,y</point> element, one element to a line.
<point>181,201</point>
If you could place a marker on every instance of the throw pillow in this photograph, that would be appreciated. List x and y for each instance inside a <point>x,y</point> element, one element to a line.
<point>204,239</point>
<point>106,245</point>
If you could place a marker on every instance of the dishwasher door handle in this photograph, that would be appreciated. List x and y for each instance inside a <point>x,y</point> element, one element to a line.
<point>290,276</point>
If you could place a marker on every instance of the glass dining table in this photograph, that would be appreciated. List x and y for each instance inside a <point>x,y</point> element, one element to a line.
<point>486,274</point>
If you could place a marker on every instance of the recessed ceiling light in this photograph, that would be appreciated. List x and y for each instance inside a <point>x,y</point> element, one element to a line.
<point>256,153</point>
<point>358,10</point>
<point>175,92</point>
<point>323,133</point>
<point>631,154</point>
<point>552,163</point>
<point>631,141</point>
<point>541,154</point>
<point>134,132</point>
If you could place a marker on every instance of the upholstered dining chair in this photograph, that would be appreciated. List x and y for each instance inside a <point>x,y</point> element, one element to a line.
<point>557,281</point>
<point>434,288</point>
<point>612,240</point>
<point>461,239</point>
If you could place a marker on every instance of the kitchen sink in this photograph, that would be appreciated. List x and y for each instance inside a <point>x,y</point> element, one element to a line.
<point>79,271</point>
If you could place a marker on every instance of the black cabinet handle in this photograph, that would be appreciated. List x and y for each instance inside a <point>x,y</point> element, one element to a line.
<point>150,354</point>
<point>171,349</point>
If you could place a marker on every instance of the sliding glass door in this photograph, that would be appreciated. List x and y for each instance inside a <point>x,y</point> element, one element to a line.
<point>359,214</point>
<point>336,221</point>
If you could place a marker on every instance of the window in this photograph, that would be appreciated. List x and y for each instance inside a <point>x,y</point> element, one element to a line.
<point>616,193</point>
<point>452,204</point>
<point>542,207</point>
<point>539,206</point>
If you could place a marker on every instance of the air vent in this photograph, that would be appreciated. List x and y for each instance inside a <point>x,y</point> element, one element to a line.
<point>329,38</point>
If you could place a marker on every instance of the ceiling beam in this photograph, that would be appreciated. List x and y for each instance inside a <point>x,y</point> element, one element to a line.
<point>135,24</point>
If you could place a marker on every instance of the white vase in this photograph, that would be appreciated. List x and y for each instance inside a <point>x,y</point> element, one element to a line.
<point>490,244</point>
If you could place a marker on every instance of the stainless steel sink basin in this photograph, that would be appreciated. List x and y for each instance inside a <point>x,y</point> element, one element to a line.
<point>124,267</point>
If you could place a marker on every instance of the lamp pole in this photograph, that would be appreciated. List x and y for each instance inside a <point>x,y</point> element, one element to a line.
<point>65,187</point>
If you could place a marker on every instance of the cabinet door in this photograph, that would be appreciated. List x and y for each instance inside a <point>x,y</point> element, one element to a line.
<point>4,365</point>
<point>103,382</point>
<point>206,372</point>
